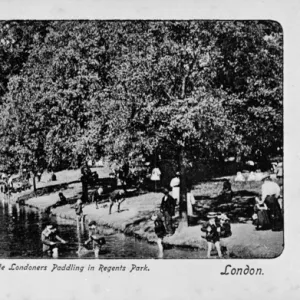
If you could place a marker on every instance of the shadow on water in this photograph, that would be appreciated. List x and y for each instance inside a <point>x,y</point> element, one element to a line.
<point>21,228</point>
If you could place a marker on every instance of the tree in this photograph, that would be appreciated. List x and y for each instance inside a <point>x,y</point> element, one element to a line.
<point>251,72</point>
<point>179,88</point>
<point>134,90</point>
<point>161,98</point>
<point>16,41</point>
<point>53,92</point>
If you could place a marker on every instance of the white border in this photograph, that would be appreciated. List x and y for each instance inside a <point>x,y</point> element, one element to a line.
<point>179,279</point>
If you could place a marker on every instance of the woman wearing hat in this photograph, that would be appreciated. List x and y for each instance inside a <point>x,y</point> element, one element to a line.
<point>270,192</point>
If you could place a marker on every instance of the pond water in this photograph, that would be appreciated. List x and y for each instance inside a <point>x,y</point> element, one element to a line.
<point>21,228</point>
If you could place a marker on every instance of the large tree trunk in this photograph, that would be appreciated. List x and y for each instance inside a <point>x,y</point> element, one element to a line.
<point>183,191</point>
<point>34,184</point>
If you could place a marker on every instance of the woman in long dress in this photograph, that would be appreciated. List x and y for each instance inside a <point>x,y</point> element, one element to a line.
<point>263,220</point>
<point>175,185</point>
<point>190,202</point>
<point>275,213</point>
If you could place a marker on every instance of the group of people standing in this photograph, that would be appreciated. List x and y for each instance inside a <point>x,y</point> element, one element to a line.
<point>268,212</point>
<point>170,202</point>
<point>163,220</point>
<point>267,209</point>
<point>217,227</point>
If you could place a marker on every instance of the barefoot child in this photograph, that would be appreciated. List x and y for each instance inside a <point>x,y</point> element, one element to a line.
<point>160,231</point>
<point>225,230</point>
<point>49,239</point>
<point>79,210</point>
<point>97,240</point>
<point>213,231</point>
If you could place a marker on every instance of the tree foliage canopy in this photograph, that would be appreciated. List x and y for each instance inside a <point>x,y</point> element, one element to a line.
<point>133,89</point>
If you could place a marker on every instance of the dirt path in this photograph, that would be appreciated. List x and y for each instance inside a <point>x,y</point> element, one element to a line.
<point>135,219</point>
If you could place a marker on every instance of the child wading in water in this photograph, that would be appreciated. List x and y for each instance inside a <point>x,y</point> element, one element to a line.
<point>79,210</point>
<point>160,231</point>
<point>94,236</point>
<point>49,239</point>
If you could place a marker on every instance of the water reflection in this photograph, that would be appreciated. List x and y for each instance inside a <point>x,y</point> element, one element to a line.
<point>79,234</point>
<point>10,210</point>
<point>18,210</point>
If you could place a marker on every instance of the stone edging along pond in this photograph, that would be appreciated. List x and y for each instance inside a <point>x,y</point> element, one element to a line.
<point>133,228</point>
<point>141,227</point>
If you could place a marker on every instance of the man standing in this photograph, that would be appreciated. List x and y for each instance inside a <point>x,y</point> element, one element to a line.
<point>270,192</point>
<point>167,208</point>
<point>175,185</point>
<point>85,177</point>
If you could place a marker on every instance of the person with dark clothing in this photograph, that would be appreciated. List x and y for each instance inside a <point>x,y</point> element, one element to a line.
<point>27,177</point>
<point>39,176</point>
<point>96,196</point>
<point>160,231</point>
<point>53,177</point>
<point>117,196</point>
<point>123,174</point>
<point>225,231</point>
<point>62,200</point>
<point>213,231</point>
<point>225,226</point>
<point>95,177</point>
<point>85,177</point>
<point>125,170</point>
<point>159,226</point>
<point>95,238</point>
<point>270,192</point>
<point>167,208</point>
<point>86,170</point>
<point>49,240</point>
<point>226,193</point>
<point>263,221</point>
<point>79,209</point>
<point>113,182</point>
<point>275,213</point>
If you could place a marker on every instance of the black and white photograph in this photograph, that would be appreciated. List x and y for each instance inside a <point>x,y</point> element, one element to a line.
<point>141,139</point>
